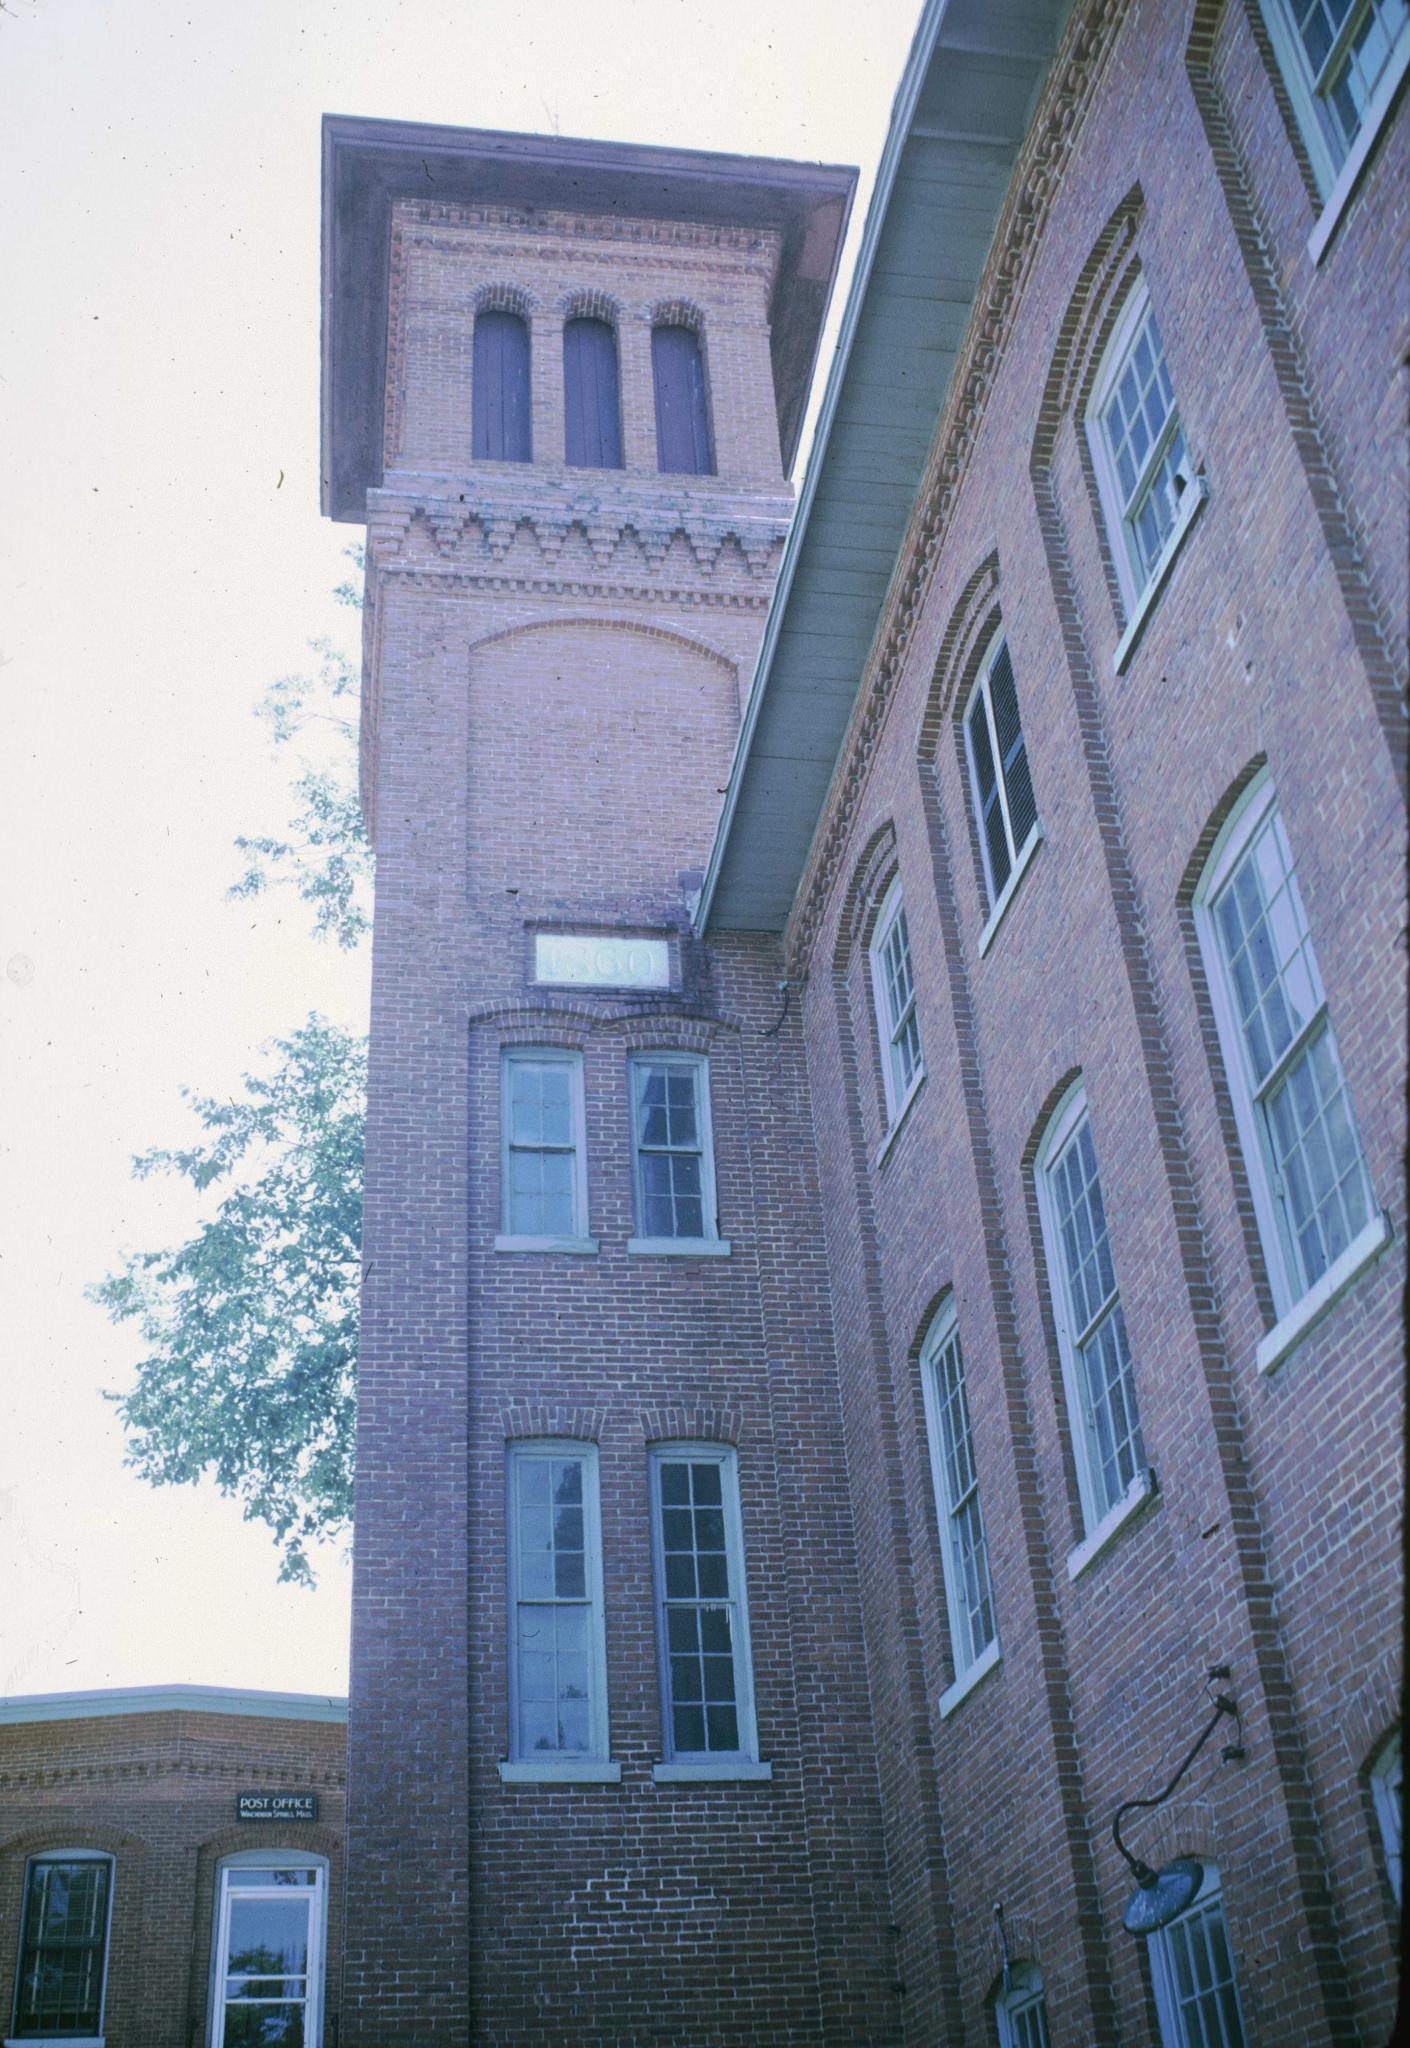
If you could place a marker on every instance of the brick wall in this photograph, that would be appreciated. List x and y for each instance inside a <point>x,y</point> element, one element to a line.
<point>1271,1545</point>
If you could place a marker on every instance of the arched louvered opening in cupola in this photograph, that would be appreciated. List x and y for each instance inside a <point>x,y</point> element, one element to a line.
<point>499,401</point>
<point>682,413</point>
<point>592,409</point>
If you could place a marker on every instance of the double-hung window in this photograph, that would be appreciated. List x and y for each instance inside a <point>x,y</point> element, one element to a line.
<point>558,1659</point>
<point>64,1945</point>
<point>1192,1975</point>
<point>894,997</point>
<point>543,1170</point>
<point>1021,2010</point>
<point>964,1554</point>
<point>1147,484</point>
<point>1091,1329</point>
<point>269,1941</point>
<point>702,1622</point>
<point>1343,61</point>
<point>674,1153</point>
<point>1307,1174</point>
<point>1000,784</point>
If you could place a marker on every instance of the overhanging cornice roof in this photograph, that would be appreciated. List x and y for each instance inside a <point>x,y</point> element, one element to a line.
<point>367,165</point>
<point>961,112</point>
<point>173,1699</point>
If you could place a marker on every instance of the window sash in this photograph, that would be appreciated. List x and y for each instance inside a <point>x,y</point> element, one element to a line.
<point>1340,96</point>
<point>707,1705</point>
<point>1197,1996</point>
<point>894,998</point>
<point>542,1167</point>
<point>969,1596</point>
<point>1307,1168</point>
<point>1142,509</point>
<point>1387,1791</point>
<point>62,1975</point>
<point>1022,2013</point>
<point>674,1166</point>
<point>1098,1373</point>
<point>1001,782</point>
<point>557,1652</point>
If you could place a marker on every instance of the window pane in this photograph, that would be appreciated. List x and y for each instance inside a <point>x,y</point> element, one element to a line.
<point>682,427</point>
<point>698,1608</point>
<point>592,409</point>
<point>262,2026</point>
<point>1018,787</point>
<point>63,1947</point>
<point>1201,1974</point>
<point>500,394</point>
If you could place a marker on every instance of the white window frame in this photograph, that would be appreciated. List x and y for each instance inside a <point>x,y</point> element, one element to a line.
<point>593,1765</point>
<point>1297,1303</point>
<point>577,1239</point>
<point>891,1030</point>
<point>710,1244</point>
<point>1021,2011</point>
<point>971,1659</point>
<point>1139,584</point>
<point>1019,856</point>
<point>1173,2033</point>
<point>682,1765</point>
<point>1336,176</point>
<point>64,1855</point>
<point>282,1858</point>
<point>1101,1521</point>
<point>1388,1795</point>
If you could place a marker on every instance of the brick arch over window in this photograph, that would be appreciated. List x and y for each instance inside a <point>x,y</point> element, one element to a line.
<point>677,313</point>
<point>1104,283</point>
<point>697,1422</point>
<point>556,622</point>
<point>532,1421</point>
<point>872,875</point>
<point>591,303</point>
<point>503,297</point>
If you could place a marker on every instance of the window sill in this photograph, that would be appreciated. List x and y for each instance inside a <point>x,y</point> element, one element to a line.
<point>679,1247</point>
<point>1349,176</point>
<point>1141,1490</point>
<point>721,1770</point>
<point>983,1664</point>
<point>571,1771</point>
<point>1289,1332</point>
<point>1010,888</point>
<point>902,1112</point>
<point>69,2040</point>
<point>1196,492</point>
<point>545,1244</point>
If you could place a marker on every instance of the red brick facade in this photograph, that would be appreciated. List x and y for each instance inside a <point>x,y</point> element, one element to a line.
<point>556,665</point>
<point>152,1782</point>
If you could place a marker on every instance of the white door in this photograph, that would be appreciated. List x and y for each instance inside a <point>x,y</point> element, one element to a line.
<point>269,1955</point>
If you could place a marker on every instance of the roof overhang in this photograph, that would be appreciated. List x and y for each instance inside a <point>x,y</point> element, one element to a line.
<point>172,1699</point>
<point>962,109</point>
<point>368,165</point>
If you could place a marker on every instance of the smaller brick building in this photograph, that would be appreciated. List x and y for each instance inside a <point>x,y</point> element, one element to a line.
<point>171,1867</point>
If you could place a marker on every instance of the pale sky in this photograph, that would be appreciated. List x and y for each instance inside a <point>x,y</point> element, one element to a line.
<point>158,378</point>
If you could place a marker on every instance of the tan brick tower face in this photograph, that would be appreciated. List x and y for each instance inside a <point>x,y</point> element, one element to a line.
<point>634,1842</point>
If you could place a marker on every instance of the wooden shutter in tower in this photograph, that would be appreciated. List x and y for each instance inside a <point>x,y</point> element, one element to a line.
<point>682,427</point>
<point>591,408</point>
<point>499,416</point>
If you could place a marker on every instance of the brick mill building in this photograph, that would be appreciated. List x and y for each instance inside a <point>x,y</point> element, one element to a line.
<point>884,1205</point>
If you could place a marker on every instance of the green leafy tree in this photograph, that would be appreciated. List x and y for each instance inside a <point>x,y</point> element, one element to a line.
<point>249,1328</point>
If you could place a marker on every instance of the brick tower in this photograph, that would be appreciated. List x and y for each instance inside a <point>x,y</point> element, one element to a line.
<point>609,1765</point>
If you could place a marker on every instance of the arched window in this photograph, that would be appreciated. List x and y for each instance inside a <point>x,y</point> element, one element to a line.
<point>1192,1975</point>
<point>500,399</point>
<point>64,1943</point>
<point>271,1913</point>
<point>592,411</point>
<point>1020,2011</point>
<point>682,417</point>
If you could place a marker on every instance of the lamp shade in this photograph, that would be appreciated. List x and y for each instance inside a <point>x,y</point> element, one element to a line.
<point>1165,1898</point>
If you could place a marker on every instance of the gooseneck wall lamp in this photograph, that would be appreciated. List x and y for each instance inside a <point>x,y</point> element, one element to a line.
<point>1162,1895</point>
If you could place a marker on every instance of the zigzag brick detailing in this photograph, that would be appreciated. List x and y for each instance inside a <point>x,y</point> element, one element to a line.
<point>837,1385</point>
<point>122,1849</point>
